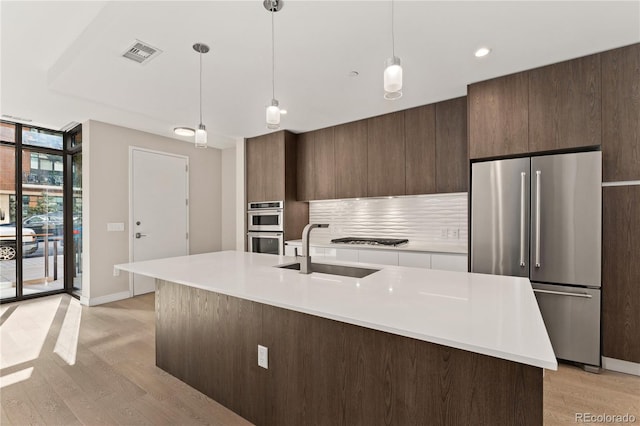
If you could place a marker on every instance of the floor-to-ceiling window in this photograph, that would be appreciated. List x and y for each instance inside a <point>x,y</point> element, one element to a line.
<point>36,212</point>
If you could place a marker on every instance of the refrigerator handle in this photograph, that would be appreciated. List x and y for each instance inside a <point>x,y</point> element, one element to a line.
<point>537,248</point>
<point>523,219</point>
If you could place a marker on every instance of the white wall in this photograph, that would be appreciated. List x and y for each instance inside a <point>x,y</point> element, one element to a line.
<point>228,200</point>
<point>106,199</point>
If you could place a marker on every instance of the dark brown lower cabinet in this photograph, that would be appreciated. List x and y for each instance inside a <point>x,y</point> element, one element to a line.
<point>621,272</point>
<point>324,372</point>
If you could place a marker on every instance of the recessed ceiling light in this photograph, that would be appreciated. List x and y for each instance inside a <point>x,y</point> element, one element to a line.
<point>184,131</point>
<point>353,73</point>
<point>483,51</point>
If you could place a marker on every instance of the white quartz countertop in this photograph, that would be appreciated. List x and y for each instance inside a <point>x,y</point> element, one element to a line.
<point>491,315</point>
<point>432,248</point>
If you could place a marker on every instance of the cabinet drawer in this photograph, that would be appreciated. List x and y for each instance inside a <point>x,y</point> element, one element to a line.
<point>449,262</point>
<point>347,255</point>
<point>381,257</point>
<point>416,260</point>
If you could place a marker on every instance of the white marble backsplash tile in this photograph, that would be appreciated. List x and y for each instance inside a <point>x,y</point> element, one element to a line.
<point>423,219</point>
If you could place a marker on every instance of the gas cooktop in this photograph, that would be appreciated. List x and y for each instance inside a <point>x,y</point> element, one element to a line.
<point>371,241</point>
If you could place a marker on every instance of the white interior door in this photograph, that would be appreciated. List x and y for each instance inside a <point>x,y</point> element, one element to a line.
<point>159,210</point>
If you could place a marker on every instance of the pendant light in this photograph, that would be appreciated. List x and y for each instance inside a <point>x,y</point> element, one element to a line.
<point>273,110</point>
<point>393,69</point>
<point>201,130</point>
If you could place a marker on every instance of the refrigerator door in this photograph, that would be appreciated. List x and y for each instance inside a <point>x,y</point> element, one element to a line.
<point>500,217</point>
<point>566,217</point>
<point>572,318</point>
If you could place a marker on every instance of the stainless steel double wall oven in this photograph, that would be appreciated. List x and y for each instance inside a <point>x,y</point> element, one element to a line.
<point>265,223</point>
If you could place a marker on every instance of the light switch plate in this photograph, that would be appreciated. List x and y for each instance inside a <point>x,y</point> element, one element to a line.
<point>263,357</point>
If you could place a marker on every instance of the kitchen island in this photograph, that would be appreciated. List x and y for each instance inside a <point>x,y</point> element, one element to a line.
<point>401,346</point>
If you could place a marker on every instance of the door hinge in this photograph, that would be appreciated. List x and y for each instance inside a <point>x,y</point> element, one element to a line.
<point>186,168</point>
<point>187,235</point>
<point>186,201</point>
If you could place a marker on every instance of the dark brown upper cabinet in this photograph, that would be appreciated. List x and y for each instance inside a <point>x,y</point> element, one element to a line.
<point>386,155</point>
<point>620,114</point>
<point>420,149</point>
<point>351,159</point>
<point>452,156</point>
<point>305,166</point>
<point>316,165</point>
<point>498,116</point>
<point>621,272</point>
<point>265,167</point>
<point>565,105</point>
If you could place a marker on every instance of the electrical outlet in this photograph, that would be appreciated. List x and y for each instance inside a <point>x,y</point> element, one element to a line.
<point>116,272</point>
<point>454,233</point>
<point>444,232</point>
<point>263,357</point>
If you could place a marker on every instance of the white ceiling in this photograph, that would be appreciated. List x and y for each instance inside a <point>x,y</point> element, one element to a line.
<point>61,61</point>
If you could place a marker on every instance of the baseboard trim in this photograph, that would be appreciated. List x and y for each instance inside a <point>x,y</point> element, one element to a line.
<point>109,298</point>
<point>84,300</point>
<point>621,366</point>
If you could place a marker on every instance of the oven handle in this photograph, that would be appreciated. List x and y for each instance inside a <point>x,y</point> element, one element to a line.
<point>265,234</point>
<point>265,211</point>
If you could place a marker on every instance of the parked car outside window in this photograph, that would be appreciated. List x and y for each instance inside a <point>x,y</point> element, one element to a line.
<point>8,242</point>
<point>53,225</point>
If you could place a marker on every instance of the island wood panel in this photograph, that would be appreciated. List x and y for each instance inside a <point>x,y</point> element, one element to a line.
<point>565,105</point>
<point>452,151</point>
<point>621,272</point>
<point>324,165</point>
<point>620,112</point>
<point>351,159</point>
<point>385,155</point>
<point>420,149</point>
<point>325,372</point>
<point>305,165</point>
<point>209,341</point>
<point>499,116</point>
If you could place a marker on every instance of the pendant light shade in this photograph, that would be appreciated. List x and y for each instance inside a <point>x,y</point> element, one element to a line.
<point>201,136</point>
<point>273,115</point>
<point>273,110</point>
<point>392,78</point>
<point>392,68</point>
<point>201,131</point>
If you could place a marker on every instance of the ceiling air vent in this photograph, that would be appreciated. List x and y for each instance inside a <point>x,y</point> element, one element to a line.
<point>141,52</point>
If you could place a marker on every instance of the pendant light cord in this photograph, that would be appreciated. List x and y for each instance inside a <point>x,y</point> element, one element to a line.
<point>200,84</point>
<point>393,37</point>
<point>273,53</point>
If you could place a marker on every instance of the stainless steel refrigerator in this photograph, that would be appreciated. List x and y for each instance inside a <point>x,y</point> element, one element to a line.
<point>540,217</point>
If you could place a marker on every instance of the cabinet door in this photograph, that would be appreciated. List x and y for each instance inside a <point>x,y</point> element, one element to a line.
<point>420,143</point>
<point>380,257</point>
<point>620,112</point>
<point>385,165</point>
<point>565,105</point>
<point>621,272</point>
<point>351,159</point>
<point>254,166</point>
<point>347,255</point>
<point>274,167</point>
<point>305,166</point>
<point>324,165</point>
<point>452,156</point>
<point>498,116</point>
<point>416,260</point>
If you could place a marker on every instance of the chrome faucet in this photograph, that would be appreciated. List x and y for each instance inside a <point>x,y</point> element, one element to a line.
<point>305,258</point>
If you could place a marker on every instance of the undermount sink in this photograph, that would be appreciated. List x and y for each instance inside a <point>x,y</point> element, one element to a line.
<point>323,268</point>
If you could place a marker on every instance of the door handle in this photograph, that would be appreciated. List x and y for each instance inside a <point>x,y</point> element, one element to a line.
<point>139,235</point>
<point>537,248</point>
<point>563,293</point>
<point>523,176</point>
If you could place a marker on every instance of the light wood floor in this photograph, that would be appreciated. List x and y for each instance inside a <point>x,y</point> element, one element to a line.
<point>63,364</point>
